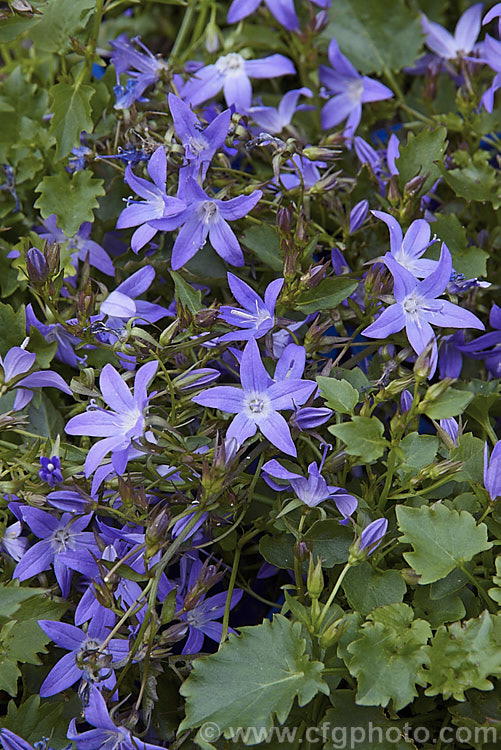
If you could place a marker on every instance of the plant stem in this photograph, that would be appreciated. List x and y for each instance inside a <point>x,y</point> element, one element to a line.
<point>332,595</point>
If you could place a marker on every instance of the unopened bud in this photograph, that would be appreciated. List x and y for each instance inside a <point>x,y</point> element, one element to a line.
<point>36,265</point>
<point>358,215</point>
<point>206,318</point>
<point>53,256</point>
<point>393,193</point>
<point>410,576</point>
<point>434,392</point>
<point>414,186</point>
<point>423,364</point>
<point>315,580</point>
<point>331,634</point>
<point>156,533</point>
<point>212,38</point>
<point>435,471</point>
<point>301,551</point>
<point>320,21</point>
<point>168,333</point>
<point>316,153</point>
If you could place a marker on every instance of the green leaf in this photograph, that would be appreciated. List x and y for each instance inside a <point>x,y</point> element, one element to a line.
<point>366,588</point>
<point>339,394</point>
<point>469,260</point>
<point>330,541</point>
<point>253,678</point>
<point>443,539</point>
<point>423,155</point>
<point>388,658</point>
<point>366,37</point>
<point>362,725</point>
<point>470,451</point>
<point>263,241</point>
<point>12,596</point>
<point>495,593</point>
<point>60,20</point>
<point>71,108</point>
<point>437,611</point>
<point>418,451</point>
<point>448,404</point>
<point>327,295</point>
<point>278,551</point>
<point>12,327</point>
<point>71,197</point>
<point>33,719</point>
<point>363,437</point>
<point>477,181</point>
<point>463,655</point>
<point>22,638</point>
<point>44,419</point>
<point>186,294</point>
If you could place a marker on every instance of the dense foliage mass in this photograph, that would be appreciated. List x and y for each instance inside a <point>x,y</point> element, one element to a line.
<point>250,368</point>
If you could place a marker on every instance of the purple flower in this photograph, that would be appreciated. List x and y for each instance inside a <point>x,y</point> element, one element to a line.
<point>491,55</point>
<point>105,735</point>
<point>11,741</point>
<point>56,332</point>
<point>18,361</point>
<point>156,204</point>
<point>407,250</point>
<point>121,305</point>
<point>450,360</point>
<point>274,120</point>
<point>121,425</point>
<point>232,73</point>
<point>309,417</point>
<point>80,242</point>
<point>447,46</point>
<point>313,489</point>
<point>199,145</point>
<point>85,659</point>
<point>200,613</point>
<point>488,347</point>
<point>57,537</point>
<point>143,69</point>
<point>416,307</point>
<point>207,217</point>
<point>258,315</point>
<point>350,91</point>
<point>258,402</point>
<point>12,542</point>
<point>51,470</point>
<point>492,471</point>
<point>282,10</point>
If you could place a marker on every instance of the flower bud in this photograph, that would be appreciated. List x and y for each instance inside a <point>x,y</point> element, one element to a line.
<point>156,533</point>
<point>410,576</point>
<point>331,634</point>
<point>36,265</point>
<point>423,364</point>
<point>369,539</point>
<point>301,551</point>
<point>319,153</point>
<point>53,256</point>
<point>212,38</point>
<point>358,215</point>
<point>320,21</point>
<point>414,186</point>
<point>315,579</point>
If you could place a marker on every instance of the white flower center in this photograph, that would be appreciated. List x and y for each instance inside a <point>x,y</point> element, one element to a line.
<point>257,406</point>
<point>355,89</point>
<point>412,303</point>
<point>208,210</point>
<point>197,144</point>
<point>230,64</point>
